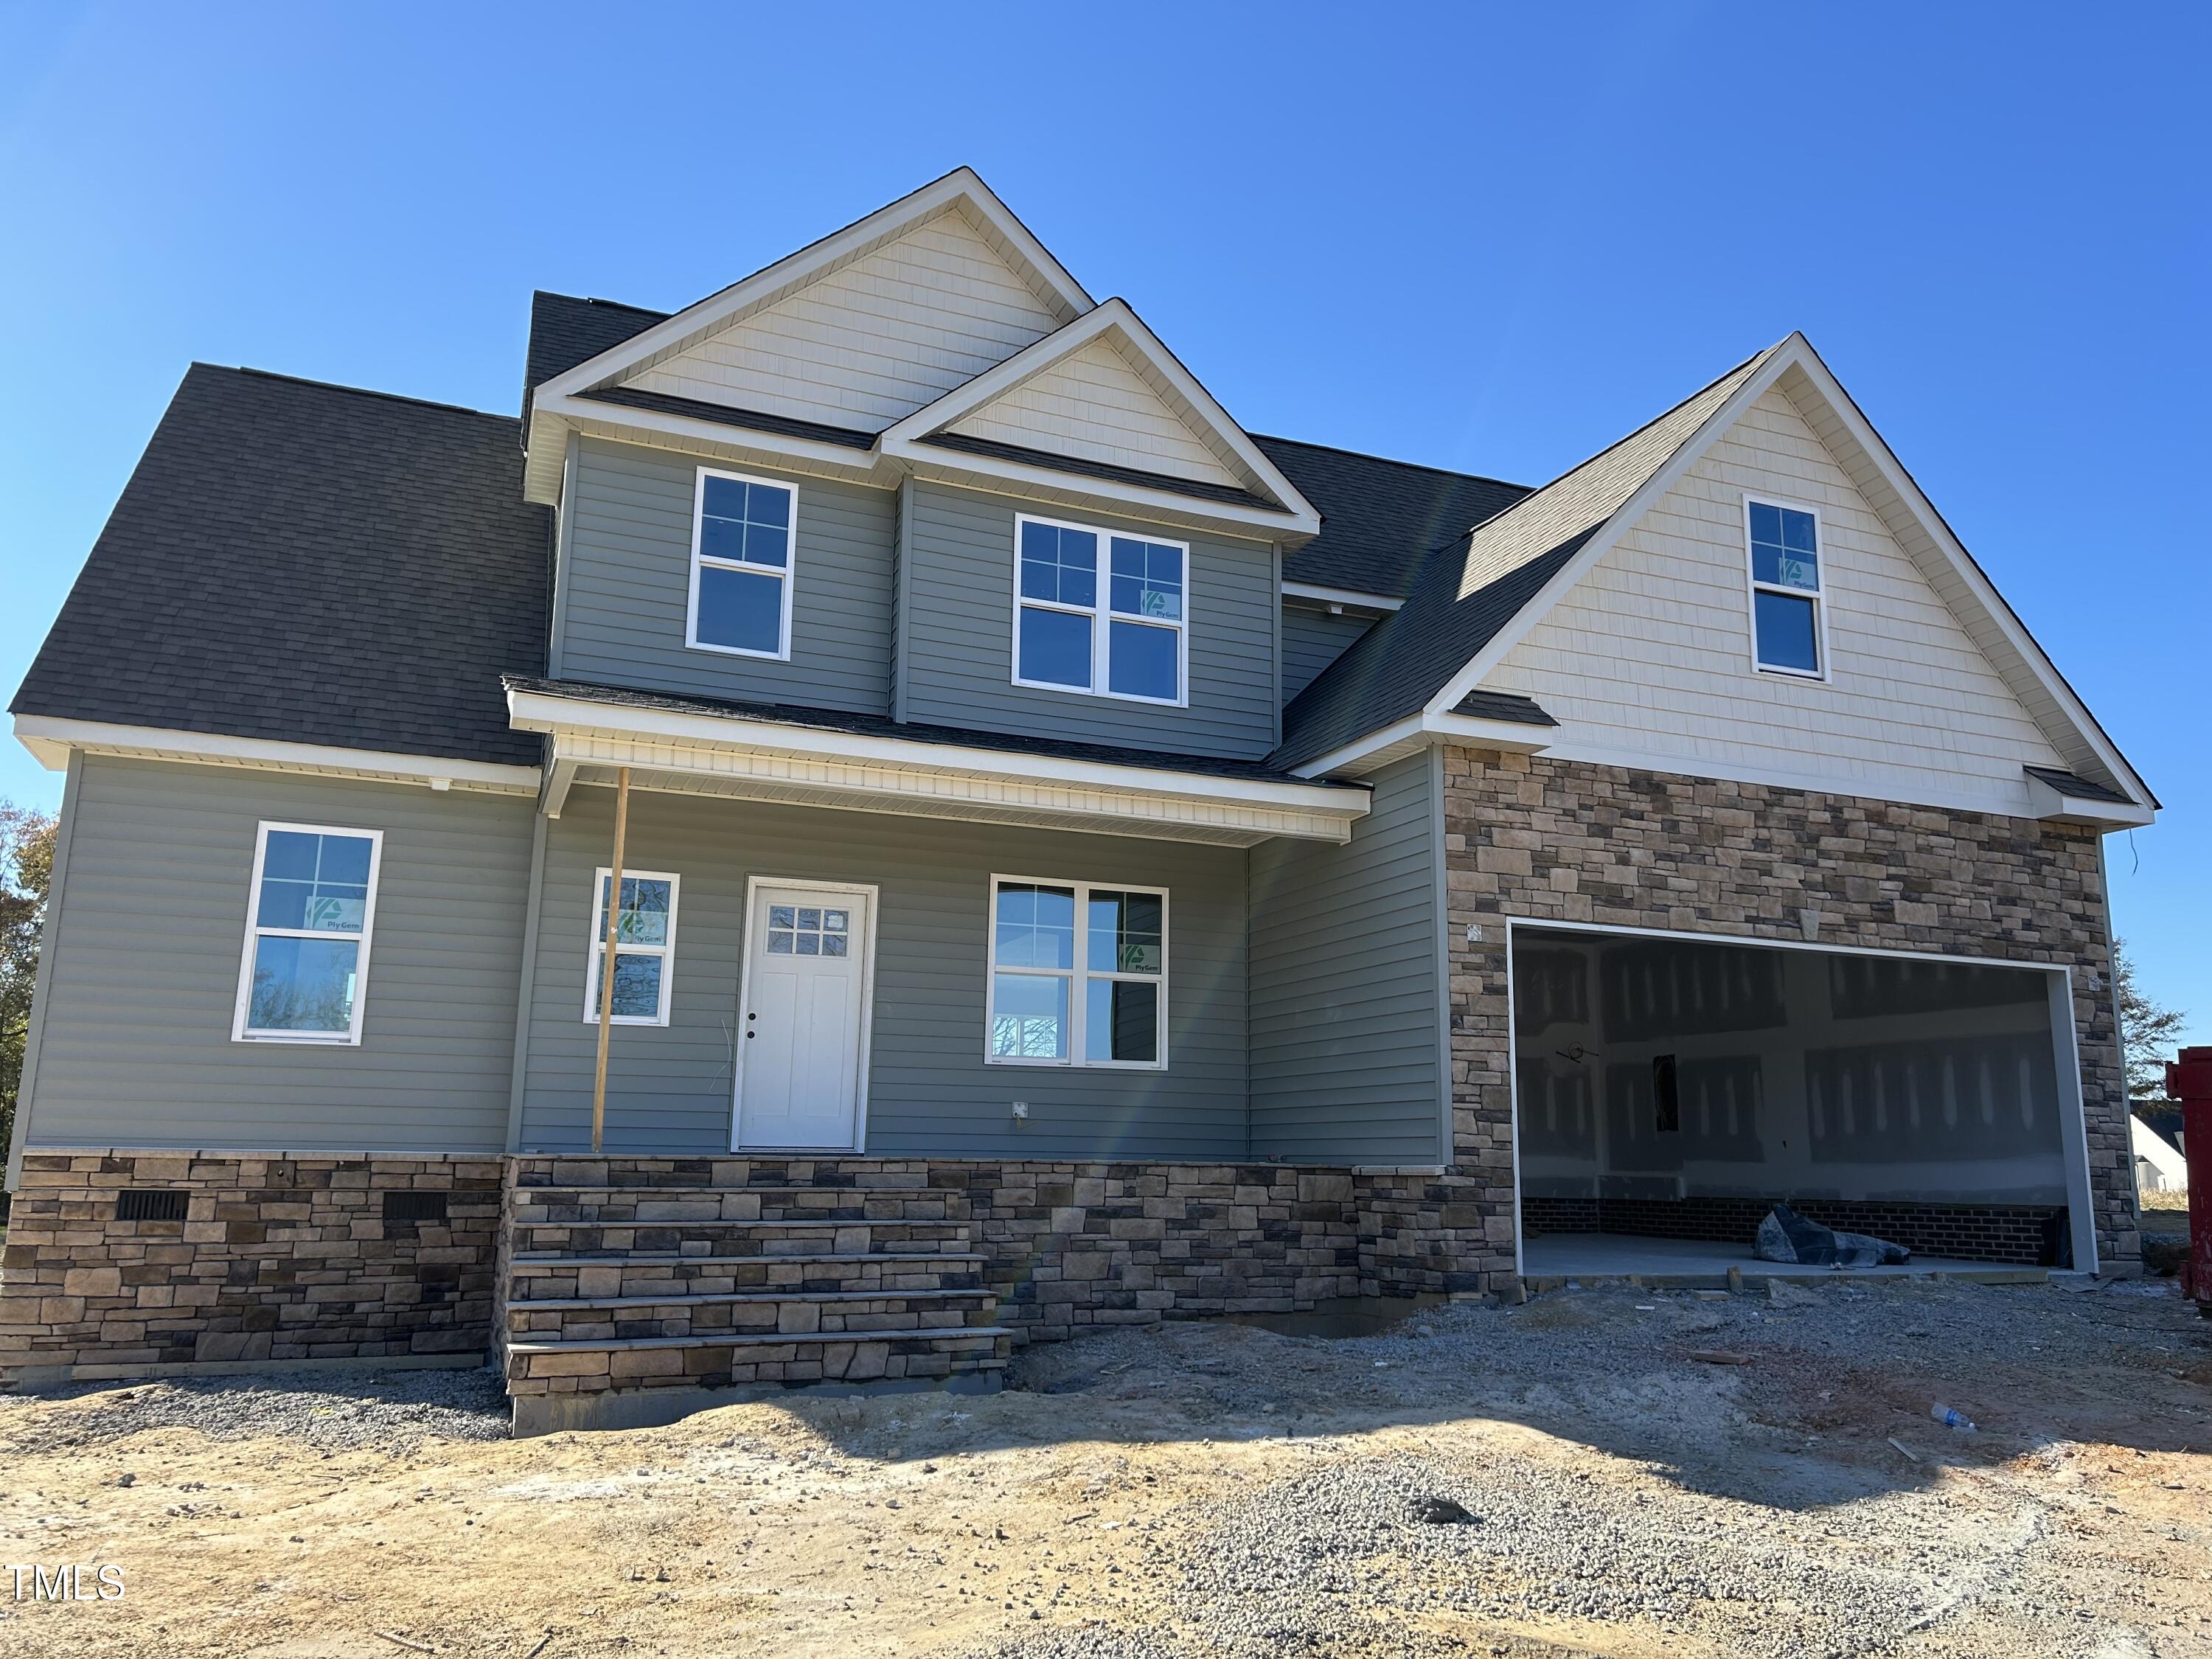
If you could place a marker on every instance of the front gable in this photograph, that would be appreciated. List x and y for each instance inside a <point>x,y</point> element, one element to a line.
<point>1096,406</point>
<point>869,340</point>
<point>1647,658</point>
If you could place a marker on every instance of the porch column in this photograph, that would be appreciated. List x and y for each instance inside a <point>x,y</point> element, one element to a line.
<point>607,966</point>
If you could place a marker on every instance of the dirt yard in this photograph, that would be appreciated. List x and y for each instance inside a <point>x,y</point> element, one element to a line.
<point>1566,1477</point>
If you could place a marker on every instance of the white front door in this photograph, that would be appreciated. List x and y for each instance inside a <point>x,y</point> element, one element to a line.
<point>802,1053</point>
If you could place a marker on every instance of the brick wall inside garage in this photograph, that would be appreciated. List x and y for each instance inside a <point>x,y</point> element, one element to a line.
<point>1545,840</point>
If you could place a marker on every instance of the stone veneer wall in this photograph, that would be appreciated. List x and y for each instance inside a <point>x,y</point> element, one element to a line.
<point>280,1258</point>
<point>1543,839</point>
<point>1080,1243</point>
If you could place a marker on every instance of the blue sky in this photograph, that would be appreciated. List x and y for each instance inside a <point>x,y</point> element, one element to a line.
<point>1487,238</point>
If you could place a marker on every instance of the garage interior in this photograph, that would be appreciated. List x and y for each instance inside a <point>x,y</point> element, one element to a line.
<point>1669,1091</point>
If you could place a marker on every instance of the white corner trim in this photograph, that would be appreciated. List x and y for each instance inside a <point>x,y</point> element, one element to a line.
<point>50,739</point>
<point>961,187</point>
<point>1114,317</point>
<point>1347,597</point>
<point>903,774</point>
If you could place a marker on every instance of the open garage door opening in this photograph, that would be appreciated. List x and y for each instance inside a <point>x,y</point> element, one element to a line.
<point>1669,1091</point>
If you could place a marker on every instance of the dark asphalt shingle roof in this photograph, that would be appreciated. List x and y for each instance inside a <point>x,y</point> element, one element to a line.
<point>878,725</point>
<point>752,420</point>
<point>1380,518</point>
<point>2075,787</point>
<point>310,564</point>
<point>565,331</point>
<point>1464,595</point>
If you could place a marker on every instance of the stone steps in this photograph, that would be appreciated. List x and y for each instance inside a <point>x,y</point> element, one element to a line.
<point>686,1280</point>
<point>928,1354</point>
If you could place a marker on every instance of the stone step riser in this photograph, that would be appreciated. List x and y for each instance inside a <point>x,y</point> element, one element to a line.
<point>766,1277</point>
<point>629,1210</point>
<point>796,1362</point>
<point>763,1239</point>
<point>887,1315</point>
<point>827,1173</point>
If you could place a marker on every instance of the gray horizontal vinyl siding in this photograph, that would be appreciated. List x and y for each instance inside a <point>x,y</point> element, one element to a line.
<point>136,1048</point>
<point>930,1092</point>
<point>1346,1037</point>
<point>1311,641</point>
<point>626,580</point>
<point>956,642</point>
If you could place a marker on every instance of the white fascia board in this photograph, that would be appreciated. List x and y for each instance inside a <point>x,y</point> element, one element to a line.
<point>962,186</point>
<point>1299,521</point>
<point>1686,455</point>
<point>1349,597</point>
<point>2045,802</point>
<point>735,442</point>
<point>1401,738</point>
<point>991,475</point>
<point>564,717</point>
<point>51,739</point>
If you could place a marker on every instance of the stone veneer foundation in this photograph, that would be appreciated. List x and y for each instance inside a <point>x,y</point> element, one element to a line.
<point>1540,840</point>
<point>281,1258</point>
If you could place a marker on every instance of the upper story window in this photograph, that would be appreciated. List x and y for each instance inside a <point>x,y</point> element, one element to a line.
<point>313,898</point>
<point>1101,613</point>
<point>1789,627</point>
<point>741,536</point>
<point>1078,975</point>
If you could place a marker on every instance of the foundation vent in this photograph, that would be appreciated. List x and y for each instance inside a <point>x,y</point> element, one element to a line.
<point>151,1203</point>
<point>413,1207</point>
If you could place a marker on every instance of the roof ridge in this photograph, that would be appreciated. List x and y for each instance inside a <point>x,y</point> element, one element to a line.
<point>594,299</point>
<point>1390,460</point>
<point>356,391</point>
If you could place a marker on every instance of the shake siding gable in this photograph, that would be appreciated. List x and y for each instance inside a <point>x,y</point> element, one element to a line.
<point>135,1049</point>
<point>958,655</point>
<point>1095,406</point>
<point>873,341</point>
<point>1649,655</point>
<point>628,567</point>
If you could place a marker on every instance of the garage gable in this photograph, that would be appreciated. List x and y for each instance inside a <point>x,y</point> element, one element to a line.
<point>1915,681</point>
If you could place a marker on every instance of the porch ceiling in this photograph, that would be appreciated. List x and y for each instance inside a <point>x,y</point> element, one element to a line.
<point>756,758</point>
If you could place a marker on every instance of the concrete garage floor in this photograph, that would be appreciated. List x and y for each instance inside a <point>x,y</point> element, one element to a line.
<point>1553,1258</point>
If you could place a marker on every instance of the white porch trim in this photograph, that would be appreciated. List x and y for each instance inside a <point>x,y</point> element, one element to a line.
<point>50,739</point>
<point>672,750</point>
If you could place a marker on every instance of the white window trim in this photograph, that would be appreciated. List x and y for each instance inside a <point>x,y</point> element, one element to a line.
<point>1102,615</point>
<point>349,1038</point>
<point>1077,1004</point>
<point>789,576</point>
<point>595,953</point>
<point>1752,587</point>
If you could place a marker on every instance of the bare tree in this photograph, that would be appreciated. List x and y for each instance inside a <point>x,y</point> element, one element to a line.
<point>26,866</point>
<point>2149,1031</point>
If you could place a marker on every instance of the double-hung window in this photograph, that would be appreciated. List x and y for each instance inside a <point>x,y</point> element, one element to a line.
<point>645,940</point>
<point>1099,612</point>
<point>1789,627</point>
<point>305,975</point>
<point>741,538</point>
<point>1078,975</point>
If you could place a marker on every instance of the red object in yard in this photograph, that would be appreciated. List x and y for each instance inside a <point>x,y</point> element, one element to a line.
<point>2188,1080</point>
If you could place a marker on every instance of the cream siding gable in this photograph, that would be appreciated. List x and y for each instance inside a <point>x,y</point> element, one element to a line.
<point>870,341</point>
<point>1094,406</point>
<point>1647,659</point>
